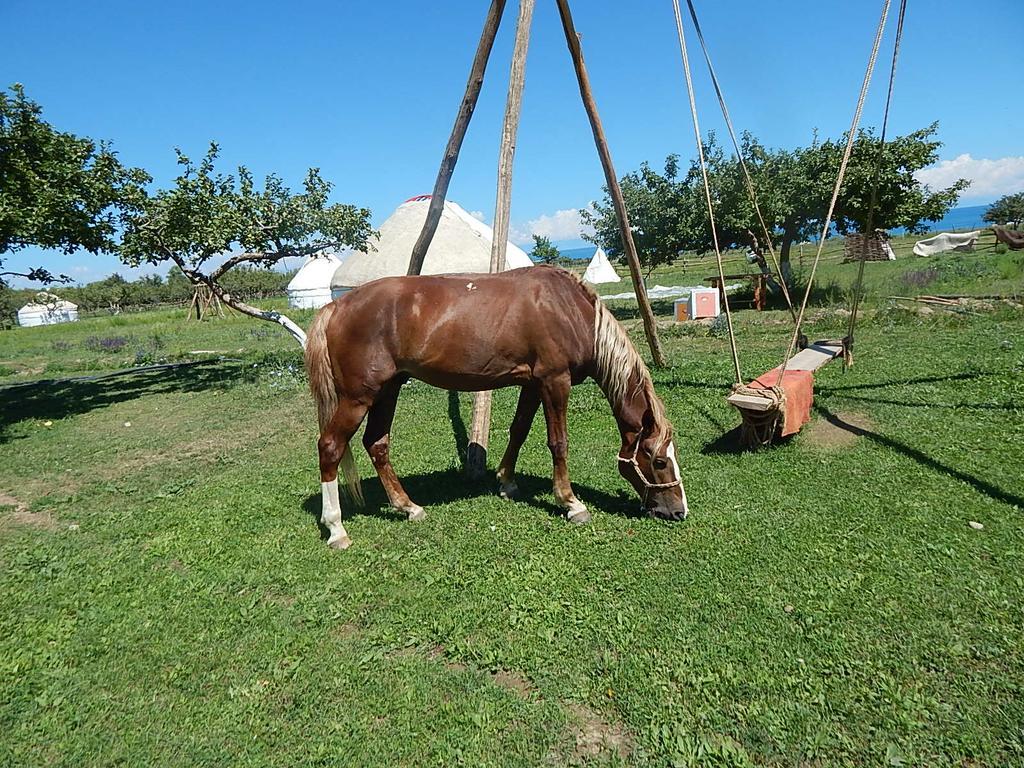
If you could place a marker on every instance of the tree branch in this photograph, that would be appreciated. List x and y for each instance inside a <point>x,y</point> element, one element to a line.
<point>269,315</point>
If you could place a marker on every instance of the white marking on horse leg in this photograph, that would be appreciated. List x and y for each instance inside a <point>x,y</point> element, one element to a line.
<point>576,511</point>
<point>331,516</point>
<point>415,512</point>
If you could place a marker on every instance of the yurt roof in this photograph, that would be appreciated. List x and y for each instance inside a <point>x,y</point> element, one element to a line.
<point>57,305</point>
<point>316,273</point>
<point>462,243</point>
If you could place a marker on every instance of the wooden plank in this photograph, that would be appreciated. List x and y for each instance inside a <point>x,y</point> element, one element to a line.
<point>572,39</point>
<point>451,152</point>
<point>479,431</point>
<point>750,402</point>
<point>814,356</point>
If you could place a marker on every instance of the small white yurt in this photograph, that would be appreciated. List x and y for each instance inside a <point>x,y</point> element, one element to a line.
<point>461,243</point>
<point>47,309</point>
<point>600,270</point>
<point>311,286</point>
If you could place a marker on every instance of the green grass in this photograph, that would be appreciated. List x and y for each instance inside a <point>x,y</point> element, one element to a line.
<point>166,598</point>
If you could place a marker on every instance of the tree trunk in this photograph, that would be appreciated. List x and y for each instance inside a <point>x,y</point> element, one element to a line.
<point>573,41</point>
<point>476,452</point>
<point>451,152</point>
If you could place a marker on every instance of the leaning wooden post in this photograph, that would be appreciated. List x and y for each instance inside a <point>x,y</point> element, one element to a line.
<point>476,453</point>
<point>451,152</point>
<point>573,41</point>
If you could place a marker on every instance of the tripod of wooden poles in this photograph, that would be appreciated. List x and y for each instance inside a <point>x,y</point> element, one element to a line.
<point>476,459</point>
<point>204,303</point>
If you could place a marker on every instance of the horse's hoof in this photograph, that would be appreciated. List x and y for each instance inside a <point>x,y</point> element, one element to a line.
<point>416,515</point>
<point>509,491</point>
<point>579,516</point>
<point>343,543</point>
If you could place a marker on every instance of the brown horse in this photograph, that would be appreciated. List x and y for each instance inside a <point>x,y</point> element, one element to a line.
<point>537,328</point>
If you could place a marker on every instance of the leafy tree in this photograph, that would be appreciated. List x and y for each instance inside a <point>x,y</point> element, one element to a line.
<point>57,190</point>
<point>1008,209</point>
<point>794,187</point>
<point>543,251</point>
<point>206,214</point>
<point>902,200</point>
<point>660,208</point>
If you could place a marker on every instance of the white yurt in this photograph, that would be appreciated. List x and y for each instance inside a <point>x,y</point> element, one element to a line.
<point>47,309</point>
<point>311,286</point>
<point>600,270</point>
<point>461,243</point>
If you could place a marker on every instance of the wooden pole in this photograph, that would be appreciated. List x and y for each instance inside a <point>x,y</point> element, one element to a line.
<point>451,152</point>
<point>476,453</point>
<point>629,247</point>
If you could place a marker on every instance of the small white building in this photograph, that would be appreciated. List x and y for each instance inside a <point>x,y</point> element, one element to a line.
<point>311,286</point>
<point>47,310</point>
<point>600,270</point>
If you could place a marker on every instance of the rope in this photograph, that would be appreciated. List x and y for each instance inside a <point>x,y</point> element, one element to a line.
<point>760,427</point>
<point>851,138</point>
<point>707,189</point>
<point>858,289</point>
<point>743,164</point>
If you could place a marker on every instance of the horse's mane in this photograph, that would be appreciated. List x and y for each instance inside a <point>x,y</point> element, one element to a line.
<point>620,372</point>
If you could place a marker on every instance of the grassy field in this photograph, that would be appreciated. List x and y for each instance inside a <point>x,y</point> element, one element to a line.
<point>166,599</point>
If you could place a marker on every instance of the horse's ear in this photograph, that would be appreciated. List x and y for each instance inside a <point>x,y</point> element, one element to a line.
<point>647,422</point>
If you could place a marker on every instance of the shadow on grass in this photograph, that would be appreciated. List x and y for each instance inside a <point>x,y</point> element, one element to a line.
<point>982,486</point>
<point>932,404</point>
<point>458,425</point>
<point>966,376</point>
<point>58,398</point>
<point>445,486</point>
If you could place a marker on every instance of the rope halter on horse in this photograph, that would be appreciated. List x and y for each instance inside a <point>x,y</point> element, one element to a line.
<point>648,485</point>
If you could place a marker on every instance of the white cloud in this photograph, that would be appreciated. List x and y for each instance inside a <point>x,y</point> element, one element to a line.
<point>478,215</point>
<point>989,178</point>
<point>560,225</point>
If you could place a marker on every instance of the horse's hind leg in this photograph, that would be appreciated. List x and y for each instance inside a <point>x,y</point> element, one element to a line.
<point>332,446</point>
<point>377,441</point>
<point>529,401</point>
<point>554,394</point>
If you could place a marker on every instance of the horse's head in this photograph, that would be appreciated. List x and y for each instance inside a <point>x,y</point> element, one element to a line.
<point>651,467</point>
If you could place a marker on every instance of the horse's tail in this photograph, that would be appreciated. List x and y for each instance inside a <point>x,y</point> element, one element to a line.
<point>321,384</point>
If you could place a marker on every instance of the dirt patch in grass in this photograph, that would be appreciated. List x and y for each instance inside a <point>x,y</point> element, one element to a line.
<point>514,682</point>
<point>594,738</point>
<point>19,516</point>
<point>837,433</point>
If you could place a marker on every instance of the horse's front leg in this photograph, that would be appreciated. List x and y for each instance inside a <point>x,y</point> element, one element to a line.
<point>377,441</point>
<point>554,394</point>
<point>529,401</point>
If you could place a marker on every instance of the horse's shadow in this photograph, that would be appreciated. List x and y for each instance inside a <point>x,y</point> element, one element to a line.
<point>444,486</point>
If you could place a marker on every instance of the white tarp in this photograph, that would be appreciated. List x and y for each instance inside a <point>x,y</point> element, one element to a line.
<point>947,241</point>
<point>311,286</point>
<point>461,243</point>
<point>600,270</point>
<point>668,291</point>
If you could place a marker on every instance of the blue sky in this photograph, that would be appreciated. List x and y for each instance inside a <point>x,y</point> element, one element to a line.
<point>368,91</point>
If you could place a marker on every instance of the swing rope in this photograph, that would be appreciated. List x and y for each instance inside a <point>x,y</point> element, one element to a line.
<point>707,190</point>
<point>851,138</point>
<point>739,154</point>
<point>858,289</point>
